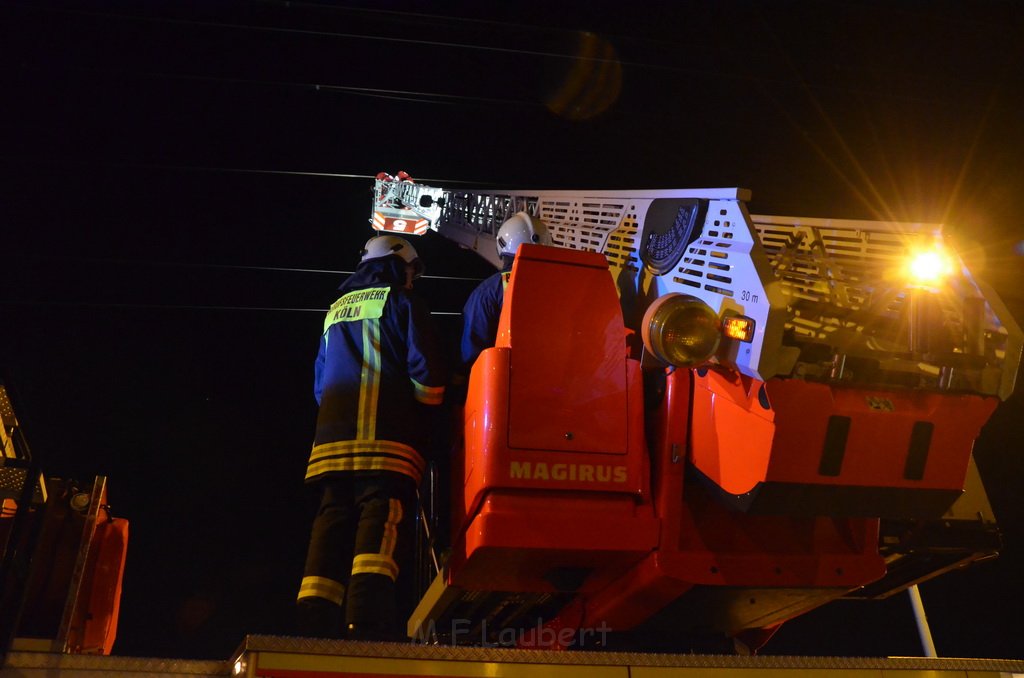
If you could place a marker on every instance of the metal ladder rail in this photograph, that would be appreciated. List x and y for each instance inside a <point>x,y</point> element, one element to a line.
<point>17,464</point>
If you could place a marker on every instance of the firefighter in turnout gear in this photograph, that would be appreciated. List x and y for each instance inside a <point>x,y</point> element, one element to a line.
<point>379,376</point>
<point>483,308</point>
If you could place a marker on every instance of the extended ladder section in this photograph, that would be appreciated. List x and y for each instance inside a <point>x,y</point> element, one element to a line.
<point>831,299</point>
<point>819,446</point>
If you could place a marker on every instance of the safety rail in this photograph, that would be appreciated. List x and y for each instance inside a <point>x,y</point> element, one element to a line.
<point>849,298</point>
<point>22,494</point>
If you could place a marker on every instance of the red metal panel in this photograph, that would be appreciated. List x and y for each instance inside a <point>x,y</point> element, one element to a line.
<point>533,499</point>
<point>739,444</point>
<point>703,542</point>
<point>101,593</point>
<point>568,379</point>
<point>732,431</point>
<point>516,539</point>
<point>879,435</point>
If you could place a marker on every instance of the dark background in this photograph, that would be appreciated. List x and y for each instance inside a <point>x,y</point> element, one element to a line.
<point>184,183</point>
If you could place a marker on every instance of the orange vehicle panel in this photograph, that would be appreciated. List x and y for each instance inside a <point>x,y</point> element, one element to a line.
<point>101,592</point>
<point>732,431</point>
<point>704,542</point>
<point>880,434</point>
<point>783,446</point>
<point>548,482</point>
<point>567,389</point>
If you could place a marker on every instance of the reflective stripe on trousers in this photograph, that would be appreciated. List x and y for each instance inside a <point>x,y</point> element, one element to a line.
<point>361,533</point>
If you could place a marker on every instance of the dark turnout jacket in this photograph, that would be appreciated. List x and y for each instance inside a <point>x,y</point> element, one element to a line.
<point>378,372</point>
<point>480,317</point>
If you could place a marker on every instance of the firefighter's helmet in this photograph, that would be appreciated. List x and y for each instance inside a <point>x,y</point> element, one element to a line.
<point>386,245</point>
<point>518,229</point>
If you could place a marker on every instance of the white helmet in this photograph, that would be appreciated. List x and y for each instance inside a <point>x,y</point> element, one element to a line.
<point>518,229</point>
<point>386,245</point>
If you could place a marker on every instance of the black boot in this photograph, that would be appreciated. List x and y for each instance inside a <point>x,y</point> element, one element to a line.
<point>317,618</point>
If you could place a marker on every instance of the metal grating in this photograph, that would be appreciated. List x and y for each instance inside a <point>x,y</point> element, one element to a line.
<point>838,275</point>
<point>581,224</point>
<point>15,460</point>
<point>12,480</point>
<point>484,212</point>
<point>843,267</point>
<point>709,261</point>
<point>9,423</point>
<point>622,248</point>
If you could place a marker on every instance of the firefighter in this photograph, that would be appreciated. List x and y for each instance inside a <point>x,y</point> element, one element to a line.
<point>379,375</point>
<point>483,308</point>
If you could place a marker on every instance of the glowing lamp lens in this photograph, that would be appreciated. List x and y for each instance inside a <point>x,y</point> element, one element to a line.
<point>929,266</point>
<point>738,327</point>
<point>681,330</point>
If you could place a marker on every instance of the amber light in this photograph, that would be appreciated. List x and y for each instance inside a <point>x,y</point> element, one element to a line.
<point>681,330</point>
<point>738,327</point>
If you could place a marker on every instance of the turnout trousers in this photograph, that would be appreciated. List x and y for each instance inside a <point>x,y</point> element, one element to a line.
<point>361,532</point>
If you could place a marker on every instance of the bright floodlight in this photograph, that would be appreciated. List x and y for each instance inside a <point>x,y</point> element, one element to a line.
<point>929,267</point>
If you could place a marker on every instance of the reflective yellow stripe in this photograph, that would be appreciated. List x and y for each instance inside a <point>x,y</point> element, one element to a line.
<point>428,395</point>
<point>387,543</point>
<point>375,563</point>
<point>357,305</point>
<point>380,447</point>
<point>373,464</point>
<point>322,587</point>
<point>369,387</point>
<point>365,455</point>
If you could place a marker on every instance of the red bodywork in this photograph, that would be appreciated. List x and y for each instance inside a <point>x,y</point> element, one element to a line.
<point>744,485</point>
<point>556,471</point>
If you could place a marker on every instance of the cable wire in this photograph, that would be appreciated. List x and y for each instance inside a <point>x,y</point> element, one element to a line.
<point>319,33</point>
<point>287,269</point>
<point>182,307</point>
<point>235,170</point>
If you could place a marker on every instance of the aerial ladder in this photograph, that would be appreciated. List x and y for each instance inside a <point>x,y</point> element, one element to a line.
<point>767,413</point>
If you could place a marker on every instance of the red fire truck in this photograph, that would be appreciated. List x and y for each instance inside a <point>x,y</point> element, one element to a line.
<point>711,421</point>
<point>695,421</point>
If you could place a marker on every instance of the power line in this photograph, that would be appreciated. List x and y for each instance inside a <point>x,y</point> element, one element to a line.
<point>421,16</point>
<point>439,98</point>
<point>574,56</point>
<point>446,99</point>
<point>177,264</point>
<point>319,33</point>
<point>237,170</point>
<point>376,92</point>
<point>183,307</point>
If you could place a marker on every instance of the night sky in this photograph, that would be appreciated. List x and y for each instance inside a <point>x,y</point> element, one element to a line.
<point>184,184</point>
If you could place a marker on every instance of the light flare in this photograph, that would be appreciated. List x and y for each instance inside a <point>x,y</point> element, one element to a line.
<point>929,267</point>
